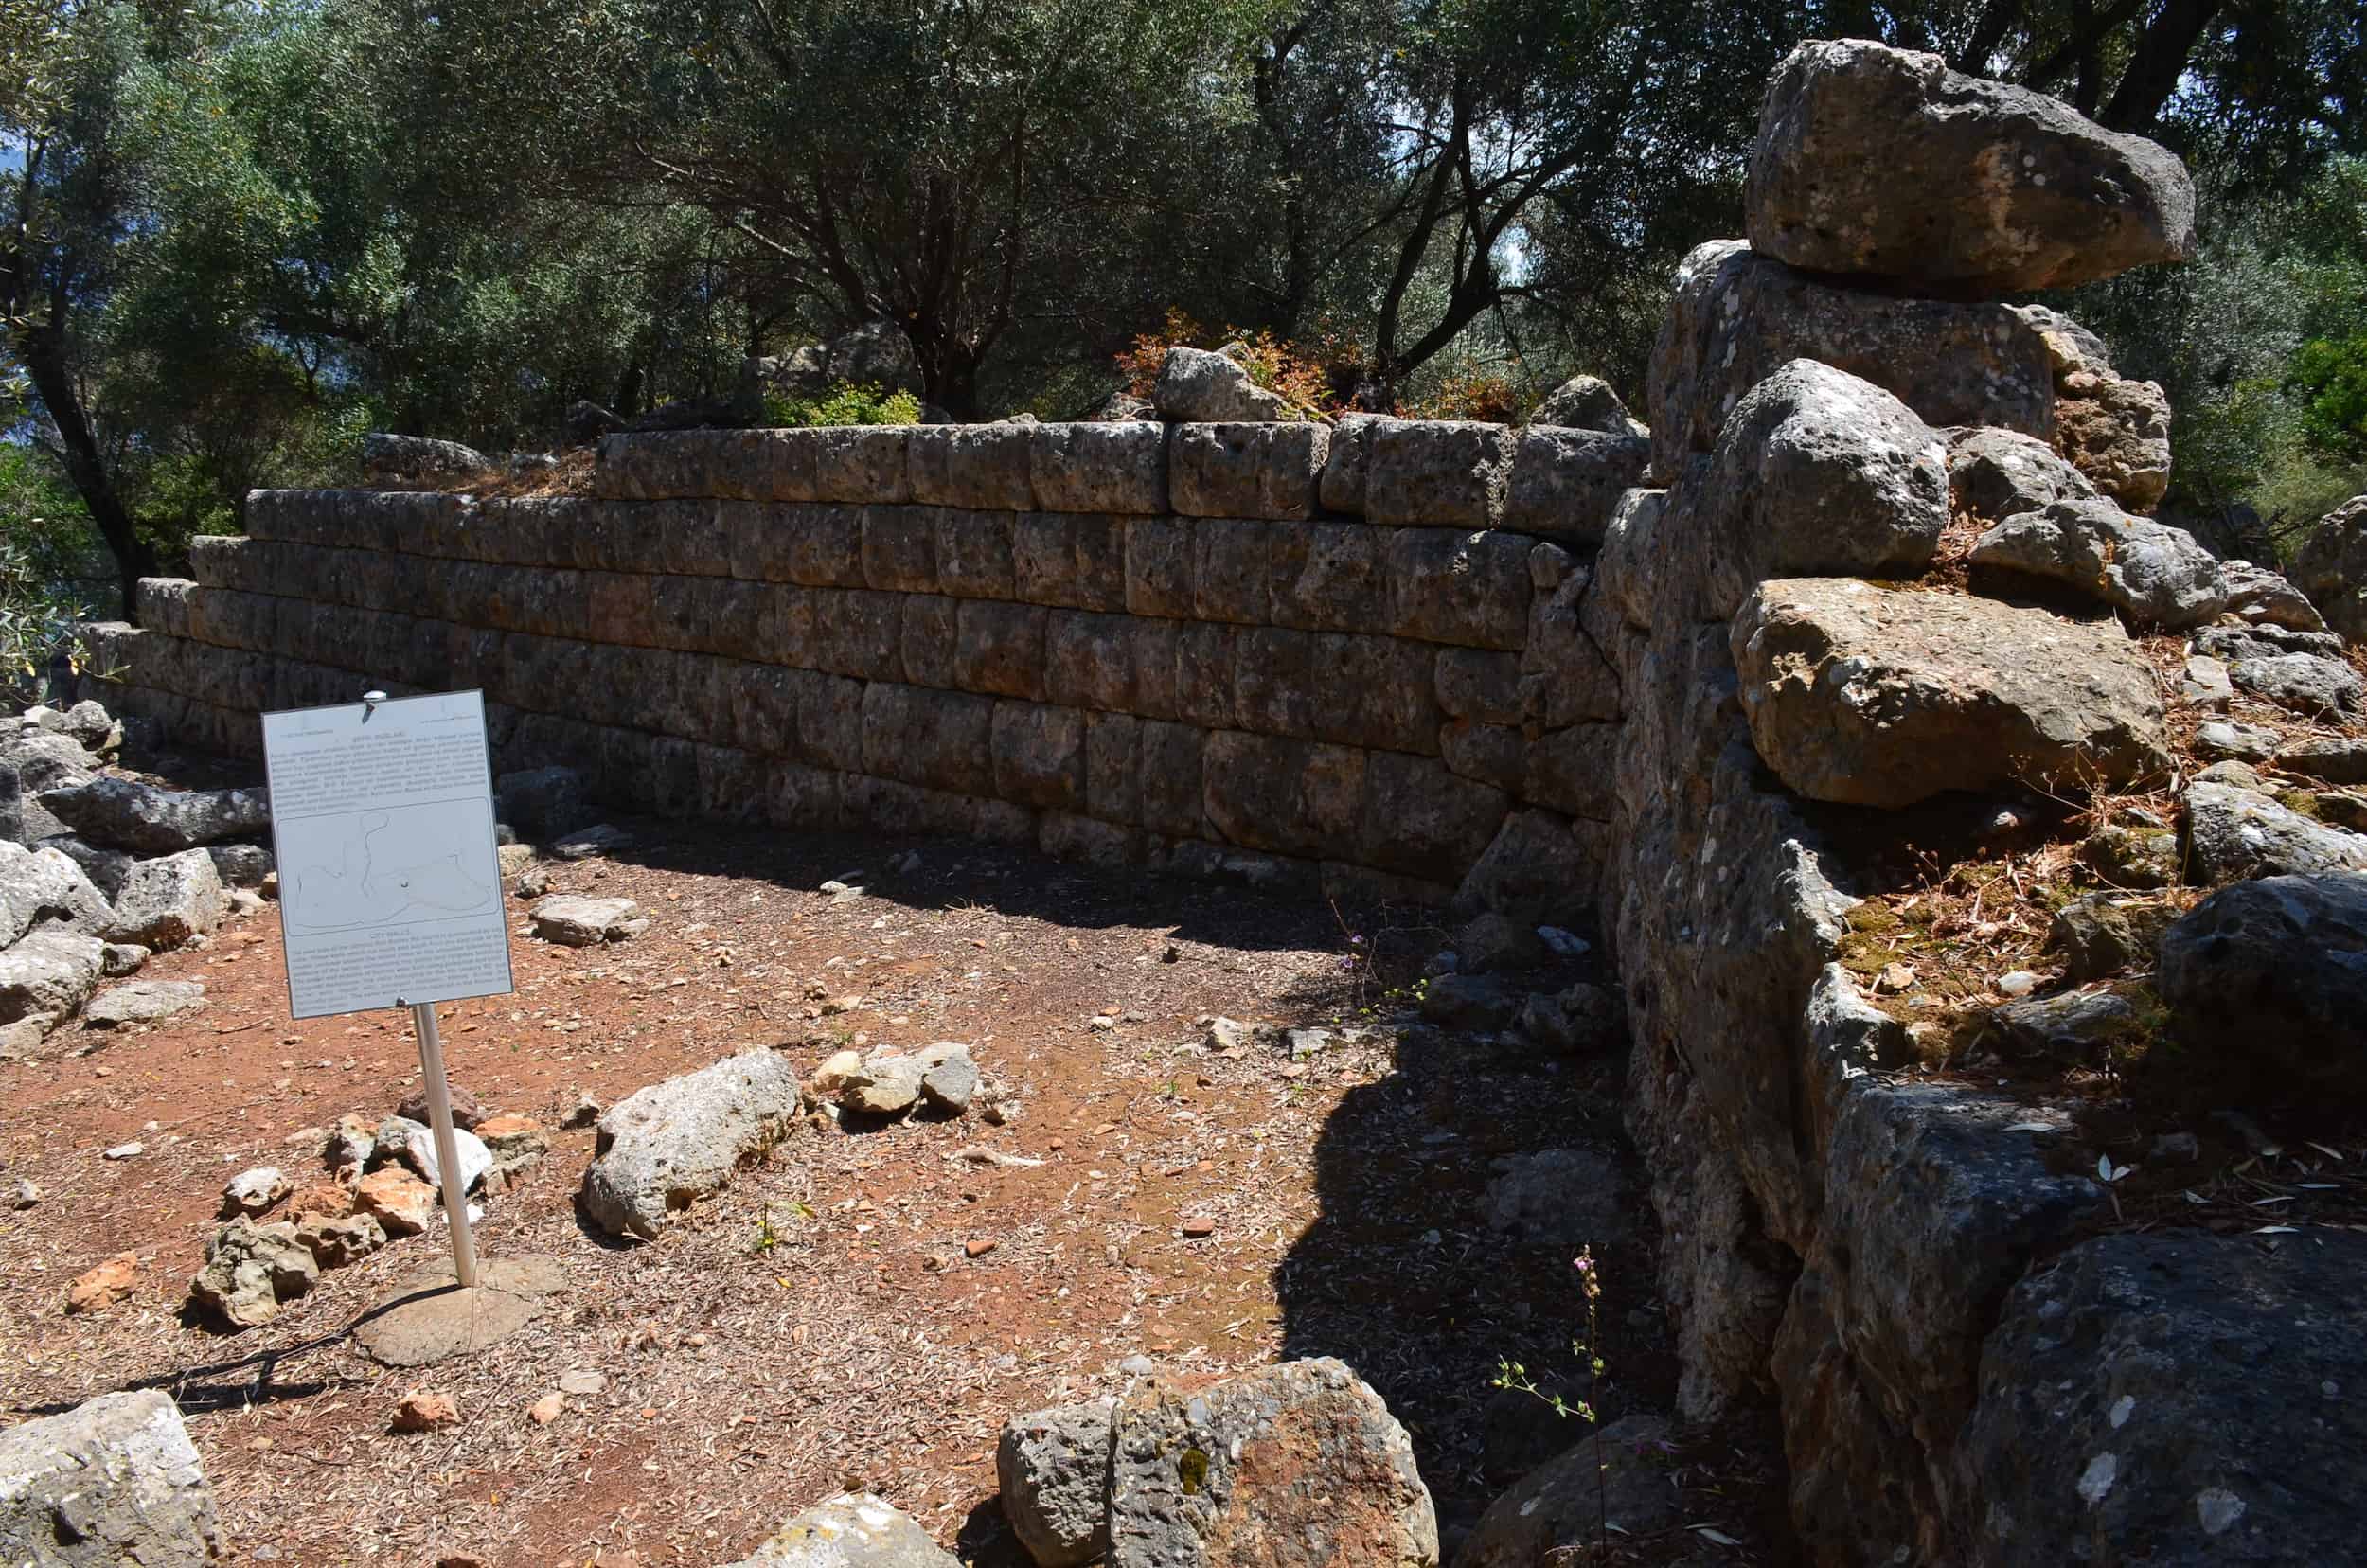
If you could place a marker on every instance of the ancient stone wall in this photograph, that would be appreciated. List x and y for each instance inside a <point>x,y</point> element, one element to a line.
<point>1276,650</point>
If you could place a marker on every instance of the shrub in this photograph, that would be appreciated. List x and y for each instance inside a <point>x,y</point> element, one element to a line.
<point>1473,395</point>
<point>843,405</point>
<point>1290,369</point>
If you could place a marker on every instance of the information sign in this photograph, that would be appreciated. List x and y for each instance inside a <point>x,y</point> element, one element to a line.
<point>390,890</point>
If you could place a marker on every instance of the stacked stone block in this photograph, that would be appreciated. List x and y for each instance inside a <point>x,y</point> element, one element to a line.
<point>1243,646</point>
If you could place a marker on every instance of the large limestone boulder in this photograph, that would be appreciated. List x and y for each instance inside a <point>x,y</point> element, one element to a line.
<point>50,972</point>
<point>2332,568</point>
<point>2233,832</point>
<point>1199,387</point>
<point>1880,697</point>
<point>2273,972</point>
<point>1290,1466</point>
<point>409,461</point>
<point>2183,1398</point>
<point>1738,315</point>
<point>116,1480</point>
<point>1994,475</point>
<point>124,813</point>
<point>1817,474</point>
<point>665,1147</point>
<point>1587,403</point>
<point>2112,429</point>
<point>2158,575</point>
<point>851,1530</point>
<point>45,887</point>
<point>1884,162</point>
<point>167,900</point>
<point>1053,1467</point>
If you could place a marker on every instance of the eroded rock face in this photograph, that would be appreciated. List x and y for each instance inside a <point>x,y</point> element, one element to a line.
<point>1587,403</point>
<point>50,972</point>
<point>1199,387</point>
<point>2332,568</point>
<point>1995,474</point>
<point>48,889</point>
<point>1737,315</point>
<point>1884,162</point>
<point>114,1480</point>
<point>1818,473</point>
<point>251,1271</point>
<point>168,901</point>
<point>124,813</point>
<point>1054,1470</point>
<point>2160,574</point>
<point>1878,697</point>
<point>1290,1466</point>
<point>2232,833</point>
<point>2182,1396</point>
<point>2272,976</point>
<point>663,1148</point>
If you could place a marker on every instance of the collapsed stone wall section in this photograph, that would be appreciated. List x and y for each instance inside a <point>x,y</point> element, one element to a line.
<point>1124,642</point>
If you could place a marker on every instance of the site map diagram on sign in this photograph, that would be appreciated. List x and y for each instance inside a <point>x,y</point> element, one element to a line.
<point>389,882</point>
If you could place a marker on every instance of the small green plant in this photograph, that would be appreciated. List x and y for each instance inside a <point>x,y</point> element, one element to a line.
<point>1512,1375</point>
<point>844,404</point>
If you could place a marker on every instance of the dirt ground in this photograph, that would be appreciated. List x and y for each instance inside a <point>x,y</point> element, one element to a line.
<point>821,1325</point>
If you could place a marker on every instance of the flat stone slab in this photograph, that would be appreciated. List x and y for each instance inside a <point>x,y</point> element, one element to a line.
<point>142,1001</point>
<point>430,1318</point>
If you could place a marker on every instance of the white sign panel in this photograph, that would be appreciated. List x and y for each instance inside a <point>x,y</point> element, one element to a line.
<point>390,889</point>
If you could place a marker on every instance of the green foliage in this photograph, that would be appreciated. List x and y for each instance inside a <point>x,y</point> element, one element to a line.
<point>843,405</point>
<point>53,572</point>
<point>2330,377</point>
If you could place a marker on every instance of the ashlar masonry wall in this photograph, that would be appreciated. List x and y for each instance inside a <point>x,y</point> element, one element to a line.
<point>1347,657</point>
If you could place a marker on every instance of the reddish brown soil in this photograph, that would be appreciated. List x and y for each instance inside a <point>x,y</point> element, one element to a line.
<point>819,1325</point>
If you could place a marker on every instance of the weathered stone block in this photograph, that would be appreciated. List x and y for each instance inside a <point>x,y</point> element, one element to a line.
<point>1340,488</point>
<point>900,549</point>
<point>824,546</point>
<point>1100,544</point>
<point>1327,576</point>
<point>1574,770</point>
<point>936,739</point>
<point>928,636</point>
<point>1566,483</point>
<point>1159,567</point>
<point>1113,764</point>
<point>764,708</point>
<point>1230,572</point>
<point>1266,471</point>
<point>1043,558</point>
<point>1089,660</point>
<point>1375,691</point>
<point>688,537</point>
<point>1276,690</point>
<point>1286,796</point>
<point>1419,818</point>
<point>975,558</point>
<point>999,649</point>
<point>1172,791</point>
<point>1442,473</point>
<point>1204,664</point>
<point>1119,467</point>
<point>857,632</point>
<point>1154,666</point>
<point>1039,755</point>
<point>984,466</point>
<point>802,797</point>
<point>733,785</point>
<point>830,721</point>
<point>1564,677</point>
<point>1470,590</point>
<point>1493,754</point>
<point>1476,685</point>
<point>861,464</point>
<point>1089,839</point>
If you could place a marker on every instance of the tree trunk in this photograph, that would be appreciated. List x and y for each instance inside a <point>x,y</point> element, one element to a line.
<point>43,349</point>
